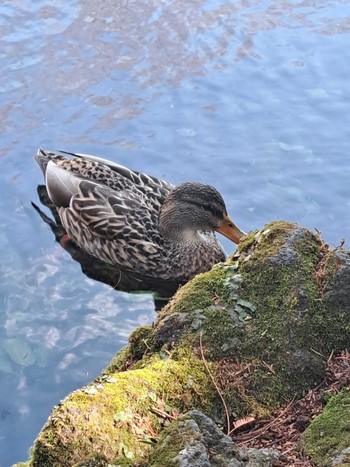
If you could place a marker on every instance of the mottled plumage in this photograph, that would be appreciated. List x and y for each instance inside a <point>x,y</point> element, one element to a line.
<point>140,224</point>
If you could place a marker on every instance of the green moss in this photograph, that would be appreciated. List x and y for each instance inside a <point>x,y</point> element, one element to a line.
<point>276,232</point>
<point>223,334</point>
<point>120,362</point>
<point>93,461</point>
<point>280,298</point>
<point>116,413</point>
<point>278,279</point>
<point>199,292</point>
<point>131,353</point>
<point>138,341</point>
<point>329,433</point>
<point>166,452</point>
<point>335,295</point>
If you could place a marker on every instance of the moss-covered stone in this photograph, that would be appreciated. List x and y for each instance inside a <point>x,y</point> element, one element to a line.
<point>261,325</point>
<point>199,292</point>
<point>195,441</point>
<point>336,297</point>
<point>119,413</point>
<point>129,355</point>
<point>138,341</point>
<point>329,433</point>
<point>262,307</point>
<point>121,361</point>
<point>93,461</point>
<point>278,279</point>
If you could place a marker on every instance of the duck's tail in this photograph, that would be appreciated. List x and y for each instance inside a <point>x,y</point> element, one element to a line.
<point>43,157</point>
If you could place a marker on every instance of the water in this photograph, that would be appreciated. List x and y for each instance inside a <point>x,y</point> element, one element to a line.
<point>250,96</point>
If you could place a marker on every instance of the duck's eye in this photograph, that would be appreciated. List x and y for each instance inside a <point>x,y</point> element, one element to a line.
<point>206,206</point>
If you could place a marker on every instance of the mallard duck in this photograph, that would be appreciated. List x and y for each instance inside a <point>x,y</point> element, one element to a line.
<point>140,224</point>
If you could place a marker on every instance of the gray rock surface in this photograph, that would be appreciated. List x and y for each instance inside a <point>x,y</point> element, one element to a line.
<point>195,441</point>
<point>343,459</point>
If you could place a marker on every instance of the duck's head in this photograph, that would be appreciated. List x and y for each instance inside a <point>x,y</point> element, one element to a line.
<point>194,206</point>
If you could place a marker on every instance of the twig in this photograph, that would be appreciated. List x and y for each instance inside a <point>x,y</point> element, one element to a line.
<point>215,385</point>
<point>318,353</point>
<point>162,413</point>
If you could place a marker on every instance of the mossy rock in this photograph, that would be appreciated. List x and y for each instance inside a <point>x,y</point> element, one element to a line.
<point>262,325</point>
<point>119,414</point>
<point>267,307</point>
<point>328,435</point>
<point>195,441</point>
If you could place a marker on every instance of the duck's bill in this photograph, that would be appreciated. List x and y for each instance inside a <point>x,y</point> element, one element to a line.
<point>229,230</point>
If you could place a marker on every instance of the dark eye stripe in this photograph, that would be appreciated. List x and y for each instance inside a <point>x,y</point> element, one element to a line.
<point>212,208</point>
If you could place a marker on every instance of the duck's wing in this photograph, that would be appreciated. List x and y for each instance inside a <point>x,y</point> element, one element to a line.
<point>107,173</point>
<point>117,227</point>
<point>139,180</point>
<point>132,175</point>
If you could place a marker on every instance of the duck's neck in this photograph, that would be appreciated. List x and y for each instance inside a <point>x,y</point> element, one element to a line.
<point>193,255</point>
<point>183,236</point>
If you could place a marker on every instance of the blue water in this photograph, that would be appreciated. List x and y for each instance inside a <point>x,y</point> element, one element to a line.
<point>250,96</point>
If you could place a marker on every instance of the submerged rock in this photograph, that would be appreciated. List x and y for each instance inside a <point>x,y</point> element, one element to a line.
<point>261,326</point>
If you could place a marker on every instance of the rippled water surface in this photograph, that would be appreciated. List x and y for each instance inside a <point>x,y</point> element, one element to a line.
<point>250,96</point>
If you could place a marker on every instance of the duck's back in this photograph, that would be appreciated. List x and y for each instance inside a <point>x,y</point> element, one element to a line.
<point>108,210</point>
<point>102,171</point>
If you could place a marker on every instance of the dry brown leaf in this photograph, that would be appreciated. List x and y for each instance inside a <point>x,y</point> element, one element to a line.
<point>242,422</point>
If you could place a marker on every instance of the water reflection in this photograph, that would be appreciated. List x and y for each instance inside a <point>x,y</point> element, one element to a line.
<point>115,57</point>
